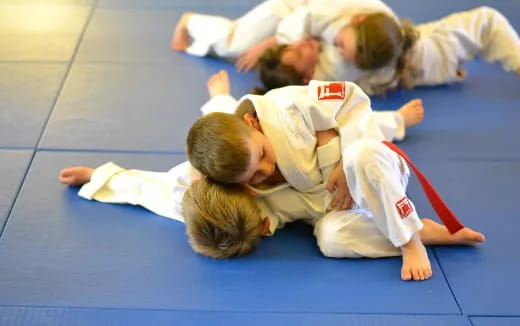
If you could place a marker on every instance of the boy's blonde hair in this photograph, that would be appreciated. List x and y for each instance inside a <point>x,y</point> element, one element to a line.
<point>222,221</point>
<point>218,146</point>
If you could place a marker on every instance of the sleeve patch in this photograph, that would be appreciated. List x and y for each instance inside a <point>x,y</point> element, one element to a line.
<point>404,207</point>
<point>331,91</point>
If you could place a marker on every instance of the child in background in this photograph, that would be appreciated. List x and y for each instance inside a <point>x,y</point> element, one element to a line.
<point>305,26</point>
<point>360,41</point>
<point>435,56</point>
<point>393,123</point>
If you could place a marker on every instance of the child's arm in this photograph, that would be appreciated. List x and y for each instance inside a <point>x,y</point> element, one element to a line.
<point>249,58</point>
<point>158,192</point>
<point>331,166</point>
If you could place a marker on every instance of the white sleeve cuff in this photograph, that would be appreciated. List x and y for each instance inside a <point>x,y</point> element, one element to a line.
<point>220,103</point>
<point>100,176</point>
<point>329,153</point>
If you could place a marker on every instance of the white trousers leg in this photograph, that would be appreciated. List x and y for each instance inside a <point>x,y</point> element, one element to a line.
<point>445,44</point>
<point>228,38</point>
<point>377,179</point>
<point>352,234</point>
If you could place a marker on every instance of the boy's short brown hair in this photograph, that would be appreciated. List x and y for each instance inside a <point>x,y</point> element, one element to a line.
<point>273,73</point>
<point>222,221</point>
<point>218,146</point>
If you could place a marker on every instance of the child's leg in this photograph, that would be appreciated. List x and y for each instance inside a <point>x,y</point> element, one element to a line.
<point>181,38</point>
<point>459,37</point>
<point>205,34</point>
<point>352,234</point>
<point>218,84</point>
<point>393,124</point>
<point>434,233</point>
<point>377,179</point>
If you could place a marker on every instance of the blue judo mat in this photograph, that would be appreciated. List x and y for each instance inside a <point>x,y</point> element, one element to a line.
<point>86,82</point>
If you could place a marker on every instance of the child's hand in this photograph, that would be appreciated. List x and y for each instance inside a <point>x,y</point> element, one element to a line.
<point>249,59</point>
<point>76,175</point>
<point>218,84</point>
<point>338,181</point>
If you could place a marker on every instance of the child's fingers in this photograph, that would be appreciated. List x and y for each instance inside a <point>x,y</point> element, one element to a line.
<point>66,172</point>
<point>331,185</point>
<point>67,179</point>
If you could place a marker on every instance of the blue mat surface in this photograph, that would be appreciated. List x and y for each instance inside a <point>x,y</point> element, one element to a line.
<point>27,95</point>
<point>13,165</point>
<point>116,106</point>
<point>495,321</point>
<point>78,244</point>
<point>484,195</point>
<point>84,82</point>
<point>87,317</point>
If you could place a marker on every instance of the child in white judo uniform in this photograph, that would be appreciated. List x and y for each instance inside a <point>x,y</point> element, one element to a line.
<point>361,41</point>
<point>393,123</point>
<point>436,55</point>
<point>274,143</point>
<point>302,23</point>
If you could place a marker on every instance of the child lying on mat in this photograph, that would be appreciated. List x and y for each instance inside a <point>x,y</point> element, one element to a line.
<point>226,221</point>
<point>393,124</point>
<point>271,141</point>
<point>363,41</point>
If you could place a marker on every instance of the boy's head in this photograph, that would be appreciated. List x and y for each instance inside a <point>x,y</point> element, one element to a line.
<point>230,149</point>
<point>222,221</point>
<point>291,64</point>
<point>370,42</point>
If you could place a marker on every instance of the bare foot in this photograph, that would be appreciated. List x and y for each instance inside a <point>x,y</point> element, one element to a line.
<point>412,112</point>
<point>416,264</point>
<point>218,84</point>
<point>434,233</point>
<point>181,38</point>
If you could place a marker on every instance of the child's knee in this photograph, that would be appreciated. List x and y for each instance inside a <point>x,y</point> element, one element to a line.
<point>327,233</point>
<point>363,152</point>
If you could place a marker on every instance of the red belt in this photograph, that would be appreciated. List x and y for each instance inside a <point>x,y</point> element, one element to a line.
<point>445,214</point>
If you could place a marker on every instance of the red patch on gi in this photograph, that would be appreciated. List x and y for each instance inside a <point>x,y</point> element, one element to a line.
<point>331,91</point>
<point>404,207</point>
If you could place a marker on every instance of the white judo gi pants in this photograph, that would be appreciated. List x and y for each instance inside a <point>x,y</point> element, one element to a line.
<point>445,44</point>
<point>226,38</point>
<point>386,219</point>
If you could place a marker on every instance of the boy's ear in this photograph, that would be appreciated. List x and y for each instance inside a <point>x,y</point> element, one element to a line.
<point>252,121</point>
<point>249,191</point>
<point>357,19</point>
<point>265,226</point>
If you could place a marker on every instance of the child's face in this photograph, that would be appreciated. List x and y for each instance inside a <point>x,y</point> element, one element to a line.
<point>345,41</point>
<point>263,161</point>
<point>302,56</point>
